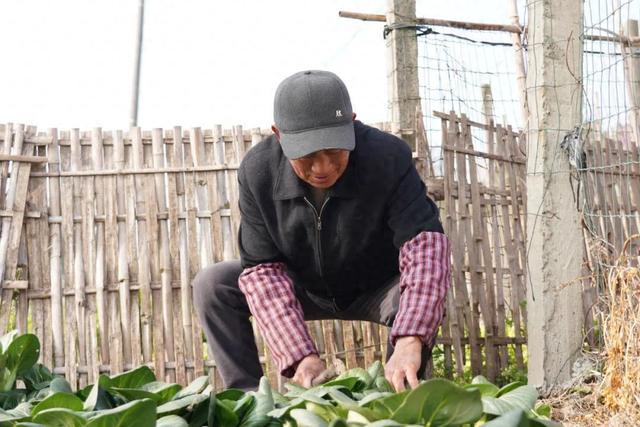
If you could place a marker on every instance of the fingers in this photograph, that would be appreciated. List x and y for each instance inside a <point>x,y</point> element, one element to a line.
<point>307,377</point>
<point>397,380</point>
<point>412,377</point>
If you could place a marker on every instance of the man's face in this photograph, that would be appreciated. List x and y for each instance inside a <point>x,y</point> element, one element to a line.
<point>321,169</point>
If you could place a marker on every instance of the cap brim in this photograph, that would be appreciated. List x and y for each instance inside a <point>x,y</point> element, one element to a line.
<point>300,144</point>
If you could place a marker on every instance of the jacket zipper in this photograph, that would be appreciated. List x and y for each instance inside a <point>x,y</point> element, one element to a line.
<point>318,217</point>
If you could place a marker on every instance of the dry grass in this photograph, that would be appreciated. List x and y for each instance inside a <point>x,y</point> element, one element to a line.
<point>621,333</point>
<point>610,398</point>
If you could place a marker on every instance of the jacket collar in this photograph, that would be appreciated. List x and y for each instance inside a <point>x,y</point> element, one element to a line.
<point>289,186</point>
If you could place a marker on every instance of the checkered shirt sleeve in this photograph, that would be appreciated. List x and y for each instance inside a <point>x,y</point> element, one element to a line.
<point>424,281</point>
<point>273,303</point>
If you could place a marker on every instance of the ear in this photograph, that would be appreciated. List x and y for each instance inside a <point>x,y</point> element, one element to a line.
<point>354,117</point>
<point>275,130</point>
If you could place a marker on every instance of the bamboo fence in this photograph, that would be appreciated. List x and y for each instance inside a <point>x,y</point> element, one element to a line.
<point>103,232</point>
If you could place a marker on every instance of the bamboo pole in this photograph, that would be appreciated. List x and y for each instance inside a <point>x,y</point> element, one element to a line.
<point>223,230</point>
<point>632,78</point>
<point>183,249</point>
<point>143,249</point>
<point>54,254</point>
<point>122,274</point>
<point>78,256</point>
<point>198,156</point>
<point>174,249</point>
<point>12,184</point>
<point>111,230</point>
<point>165,256</point>
<point>97,159</point>
<point>4,169</point>
<point>193,254</point>
<point>436,22</point>
<point>518,51</point>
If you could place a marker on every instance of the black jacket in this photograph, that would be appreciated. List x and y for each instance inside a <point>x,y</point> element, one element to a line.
<point>352,244</point>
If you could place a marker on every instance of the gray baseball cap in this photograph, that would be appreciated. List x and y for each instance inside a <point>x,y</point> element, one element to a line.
<point>312,111</point>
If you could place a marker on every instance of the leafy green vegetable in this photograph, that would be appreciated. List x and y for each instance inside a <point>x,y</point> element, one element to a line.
<point>357,397</point>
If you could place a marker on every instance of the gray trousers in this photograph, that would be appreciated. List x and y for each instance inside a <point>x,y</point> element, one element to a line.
<point>224,316</point>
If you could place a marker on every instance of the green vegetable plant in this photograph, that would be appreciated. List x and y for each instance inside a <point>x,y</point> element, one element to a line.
<point>31,396</point>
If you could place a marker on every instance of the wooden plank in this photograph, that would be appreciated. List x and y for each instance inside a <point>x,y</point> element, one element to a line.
<point>97,163</point>
<point>144,275</point>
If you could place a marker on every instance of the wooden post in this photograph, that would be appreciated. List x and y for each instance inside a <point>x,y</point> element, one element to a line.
<point>632,77</point>
<point>521,75</point>
<point>402,69</point>
<point>555,247</point>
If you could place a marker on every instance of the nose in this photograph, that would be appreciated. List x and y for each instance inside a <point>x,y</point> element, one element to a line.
<point>321,164</point>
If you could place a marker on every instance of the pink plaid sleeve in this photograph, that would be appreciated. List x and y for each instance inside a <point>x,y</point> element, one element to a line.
<point>273,303</point>
<point>424,280</point>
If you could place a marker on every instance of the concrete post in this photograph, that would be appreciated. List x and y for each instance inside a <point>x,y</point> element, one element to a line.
<point>555,247</point>
<point>402,69</point>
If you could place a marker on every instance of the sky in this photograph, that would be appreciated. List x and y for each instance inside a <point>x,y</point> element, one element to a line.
<point>69,63</point>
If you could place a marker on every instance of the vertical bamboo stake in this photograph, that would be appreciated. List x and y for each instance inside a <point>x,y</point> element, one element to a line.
<point>122,277</point>
<point>185,279</point>
<point>4,169</point>
<point>224,230</point>
<point>174,248</point>
<point>97,157</point>
<point>165,256</point>
<point>12,183</point>
<point>55,251</point>
<point>144,279</point>
<point>194,254</point>
<point>78,253</point>
<point>518,51</point>
<point>256,136</point>
<point>111,230</point>
<point>238,154</point>
<point>70,323</point>
<point>198,155</point>
<point>483,256</point>
<point>632,77</point>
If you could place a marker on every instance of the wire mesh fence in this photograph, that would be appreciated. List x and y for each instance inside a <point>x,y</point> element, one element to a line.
<point>467,71</point>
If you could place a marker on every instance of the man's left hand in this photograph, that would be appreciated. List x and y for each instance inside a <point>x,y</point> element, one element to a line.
<point>404,363</point>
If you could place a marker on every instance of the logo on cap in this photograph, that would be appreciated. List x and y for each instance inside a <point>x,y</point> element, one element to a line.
<point>338,113</point>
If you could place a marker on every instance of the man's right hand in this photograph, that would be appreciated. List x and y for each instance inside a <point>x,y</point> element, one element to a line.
<point>308,369</point>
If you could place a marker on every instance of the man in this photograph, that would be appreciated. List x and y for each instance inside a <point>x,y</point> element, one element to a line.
<point>335,223</point>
